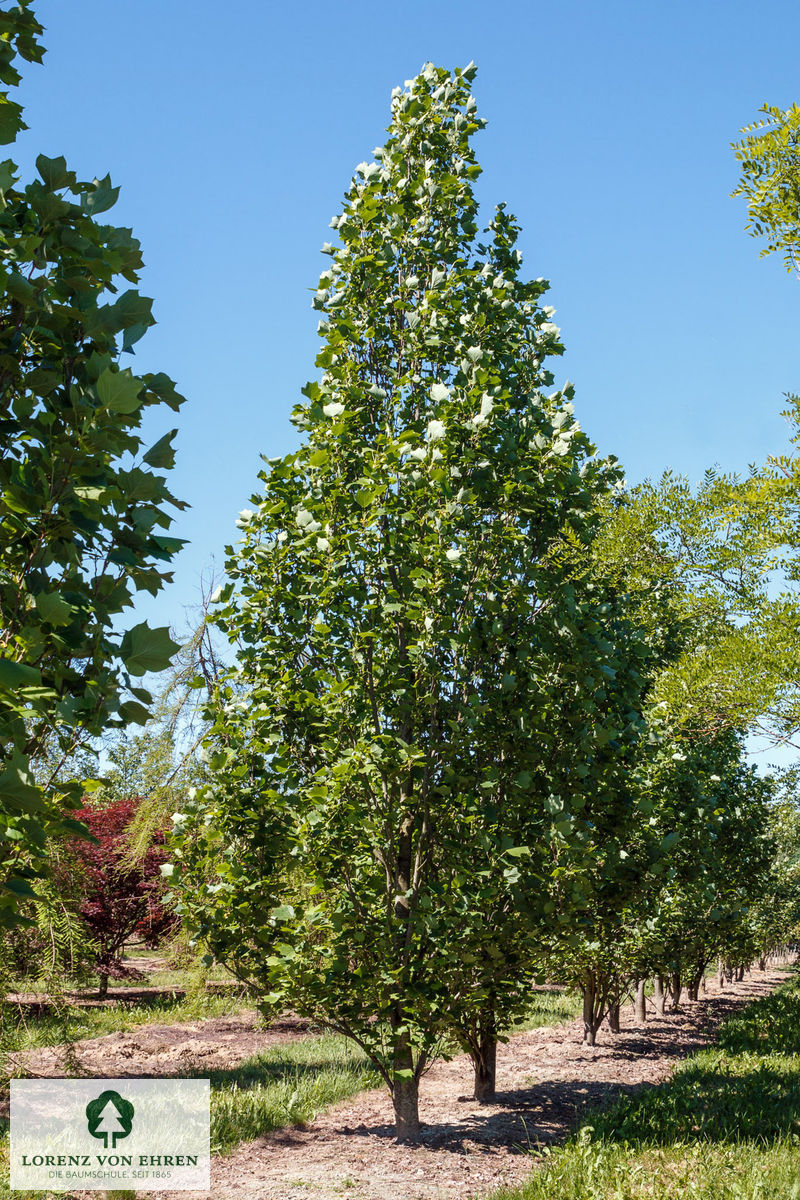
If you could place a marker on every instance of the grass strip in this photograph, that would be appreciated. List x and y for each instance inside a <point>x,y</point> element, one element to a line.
<point>22,1030</point>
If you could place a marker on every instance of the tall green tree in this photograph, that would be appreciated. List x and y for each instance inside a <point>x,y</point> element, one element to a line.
<point>83,504</point>
<point>389,763</point>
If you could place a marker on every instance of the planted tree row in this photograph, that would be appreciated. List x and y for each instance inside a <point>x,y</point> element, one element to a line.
<point>441,765</point>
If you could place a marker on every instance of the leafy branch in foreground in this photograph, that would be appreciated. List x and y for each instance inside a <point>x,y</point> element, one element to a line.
<point>770,156</point>
<point>83,501</point>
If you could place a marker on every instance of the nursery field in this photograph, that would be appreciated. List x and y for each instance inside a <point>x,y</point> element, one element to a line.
<point>298,1112</point>
<point>437,845</point>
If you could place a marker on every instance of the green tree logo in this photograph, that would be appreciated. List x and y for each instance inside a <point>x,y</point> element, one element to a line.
<point>109,1116</point>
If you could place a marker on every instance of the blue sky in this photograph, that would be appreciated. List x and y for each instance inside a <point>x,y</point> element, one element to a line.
<point>234,131</point>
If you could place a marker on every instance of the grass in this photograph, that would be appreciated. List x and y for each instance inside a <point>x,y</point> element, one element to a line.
<point>288,1084</point>
<point>190,978</point>
<point>550,1008</point>
<point>725,1127</point>
<point>22,1028</point>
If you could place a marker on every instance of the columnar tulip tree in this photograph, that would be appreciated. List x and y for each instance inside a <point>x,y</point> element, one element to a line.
<point>419,708</point>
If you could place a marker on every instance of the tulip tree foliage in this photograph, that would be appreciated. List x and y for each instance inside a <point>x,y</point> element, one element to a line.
<point>82,503</point>
<point>390,773</point>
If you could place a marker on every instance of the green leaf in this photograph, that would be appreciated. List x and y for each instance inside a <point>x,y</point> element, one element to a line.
<point>20,887</point>
<point>78,828</point>
<point>134,713</point>
<point>144,649</point>
<point>132,335</point>
<point>132,309</point>
<point>53,608</point>
<point>162,454</point>
<point>284,912</point>
<point>119,391</point>
<point>17,786</point>
<point>10,120</point>
<point>16,674</point>
<point>102,196</point>
<point>54,172</point>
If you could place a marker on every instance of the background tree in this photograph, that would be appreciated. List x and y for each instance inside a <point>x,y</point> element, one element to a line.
<point>117,899</point>
<point>774,919</point>
<point>730,546</point>
<point>585,724</point>
<point>83,505</point>
<point>770,157</point>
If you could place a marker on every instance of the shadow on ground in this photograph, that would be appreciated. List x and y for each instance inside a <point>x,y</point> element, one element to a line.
<point>728,1093</point>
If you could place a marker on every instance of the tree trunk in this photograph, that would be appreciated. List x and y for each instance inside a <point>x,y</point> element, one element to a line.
<point>405,1098</point>
<point>405,1081</point>
<point>740,975</point>
<point>697,978</point>
<point>658,994</point>
<point>639,1004</point>
<point>762,964</point>
<point>103,989</point>
<point>405,1094</point>
<point>613,1018</point>
<point>588,1013</point>
<point>675,988</point>
<point>484,1063</point>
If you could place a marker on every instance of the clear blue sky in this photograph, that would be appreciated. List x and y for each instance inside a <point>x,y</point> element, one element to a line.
<point>234,131</point>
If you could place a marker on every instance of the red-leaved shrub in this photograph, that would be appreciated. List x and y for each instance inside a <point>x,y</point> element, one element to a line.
<point>119,899</point>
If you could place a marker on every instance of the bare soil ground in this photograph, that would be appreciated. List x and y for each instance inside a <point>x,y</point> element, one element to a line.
<point>467,1150</point>
<point>189,1048</point>
<point>546,1079</point>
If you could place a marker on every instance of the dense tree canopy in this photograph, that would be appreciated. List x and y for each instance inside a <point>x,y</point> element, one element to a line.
<point>421,675</point>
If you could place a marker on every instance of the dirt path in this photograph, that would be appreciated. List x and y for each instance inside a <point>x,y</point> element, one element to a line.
<point>547,1078</point>
<point>189,1048</point>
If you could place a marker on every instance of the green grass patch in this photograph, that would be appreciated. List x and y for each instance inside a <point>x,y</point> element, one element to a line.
<point>287,1084</point>
<point>550,1008</point>
<point>725,1127</point>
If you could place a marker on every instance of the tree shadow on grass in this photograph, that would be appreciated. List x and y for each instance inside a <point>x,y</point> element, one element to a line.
<point>760,1104</point>
<point>746,1089</point>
